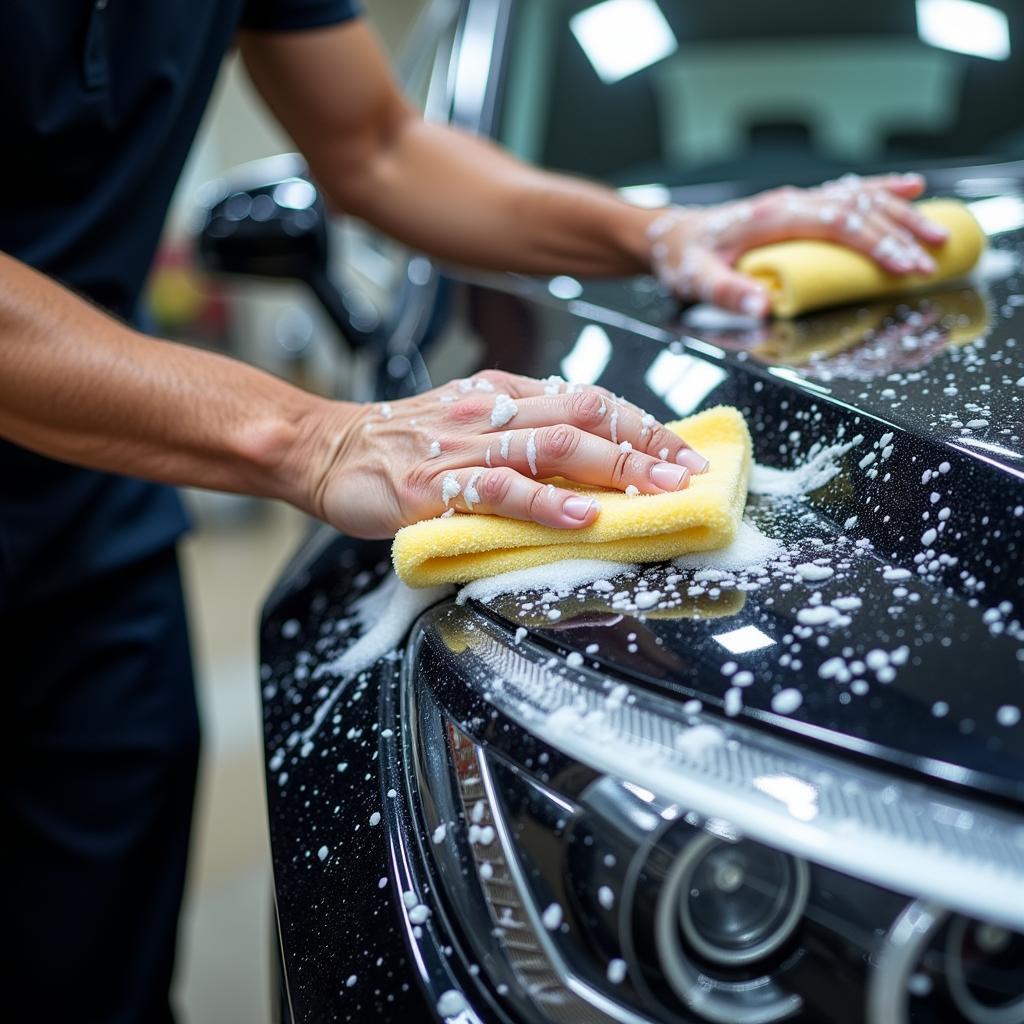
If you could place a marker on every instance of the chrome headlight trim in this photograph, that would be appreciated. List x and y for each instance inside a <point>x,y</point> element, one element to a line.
<point>594,1006</point>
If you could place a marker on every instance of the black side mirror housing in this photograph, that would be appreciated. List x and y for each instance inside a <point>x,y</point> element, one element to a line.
<point>273,225</point>
<point>268,219</point>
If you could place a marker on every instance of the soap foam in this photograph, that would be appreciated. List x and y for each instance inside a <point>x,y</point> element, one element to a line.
<point>558,577</point>
<point>385,614</point>
<point>750,548</point>
<point>800,480</point>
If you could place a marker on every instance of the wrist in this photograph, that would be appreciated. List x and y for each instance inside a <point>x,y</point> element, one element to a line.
<point>633,235</point>
<point>289,454</point>
<point>324,437</point>
<point>665,240</point>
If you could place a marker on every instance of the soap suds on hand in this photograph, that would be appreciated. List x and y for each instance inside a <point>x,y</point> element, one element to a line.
<point>471,495</point>
<point>450,488</point>
<point>504,409</point>
<point>531,450</point>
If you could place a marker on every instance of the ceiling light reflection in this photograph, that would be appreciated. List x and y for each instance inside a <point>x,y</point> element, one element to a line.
<point>588,358</point>
<point>998,213</point>
<point>295,194</point>
<point>964,26</point>
<point>744,639</point>
<point>565,287</point>
<point>683,381</point>
<point>621,37</point>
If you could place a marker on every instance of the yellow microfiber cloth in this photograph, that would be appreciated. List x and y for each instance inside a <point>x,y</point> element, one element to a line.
<point>644,528</point>
<point>802,275</point>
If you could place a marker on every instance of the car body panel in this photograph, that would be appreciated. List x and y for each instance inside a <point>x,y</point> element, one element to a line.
<point>332,914</point>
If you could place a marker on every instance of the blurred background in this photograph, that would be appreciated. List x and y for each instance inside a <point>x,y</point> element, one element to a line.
<point>231,559</point>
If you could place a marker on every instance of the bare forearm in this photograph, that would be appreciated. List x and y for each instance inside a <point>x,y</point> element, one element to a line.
<point>431,186</point>
<point>464,200</point>
<point>80,387</point>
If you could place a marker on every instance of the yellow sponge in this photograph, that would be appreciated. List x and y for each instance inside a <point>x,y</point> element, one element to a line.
<point>644,528</point>
<point>802,275</point>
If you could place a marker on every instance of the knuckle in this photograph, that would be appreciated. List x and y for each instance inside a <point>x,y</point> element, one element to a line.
<point>776,195</point>
<point>535,503</point>
<point>559,443</point>
<point>659,439</point>
<point>495,487</point>
<point>716,288</point>
<point>765,205</point>
<point>497,378</point>
<point>620,470</point>
<point>466,410</point>
<point>586,408</point>
<point>419,480</point>
<point>847,203</point>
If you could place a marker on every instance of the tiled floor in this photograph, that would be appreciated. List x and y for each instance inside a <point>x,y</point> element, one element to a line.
<point>225,943</point>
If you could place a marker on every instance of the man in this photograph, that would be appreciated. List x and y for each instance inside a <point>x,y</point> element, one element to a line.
<point>101,100</point>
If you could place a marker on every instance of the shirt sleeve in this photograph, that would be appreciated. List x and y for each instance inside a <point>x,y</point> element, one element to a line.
<point>286,15</point>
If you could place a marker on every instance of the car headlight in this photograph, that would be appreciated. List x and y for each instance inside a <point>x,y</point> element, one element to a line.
<point>610,855</point>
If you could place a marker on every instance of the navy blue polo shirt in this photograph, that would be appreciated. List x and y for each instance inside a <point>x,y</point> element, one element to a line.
<point>101,100</point>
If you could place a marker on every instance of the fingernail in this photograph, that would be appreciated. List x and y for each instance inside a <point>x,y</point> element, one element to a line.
<point>669,477</point>
<point>927,264</point>
<point>938,229</point>
<point>578,508</point>
<point>693,461</point>
<point>754,304</point>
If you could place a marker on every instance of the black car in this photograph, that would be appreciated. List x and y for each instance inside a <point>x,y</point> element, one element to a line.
<point>785,782</point>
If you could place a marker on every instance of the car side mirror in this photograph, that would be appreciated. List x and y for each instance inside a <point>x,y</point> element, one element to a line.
<point>268,219</point>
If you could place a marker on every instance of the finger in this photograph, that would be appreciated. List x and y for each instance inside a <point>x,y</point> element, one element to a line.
<point>504,492</point>
<point>599,413</point>
<point>907,186</point>
<point>486,382</point>
<point>913,220</point>
<point>515,385</point>
<point>731,290</point>
<point>568,451</point>
<point>887,243</point>
<point>491,396</point>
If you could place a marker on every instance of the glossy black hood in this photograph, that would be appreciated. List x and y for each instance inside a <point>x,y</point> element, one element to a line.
<point>923,526</point>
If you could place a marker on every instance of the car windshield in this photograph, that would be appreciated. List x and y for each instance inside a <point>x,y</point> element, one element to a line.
<point>682,91</point>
